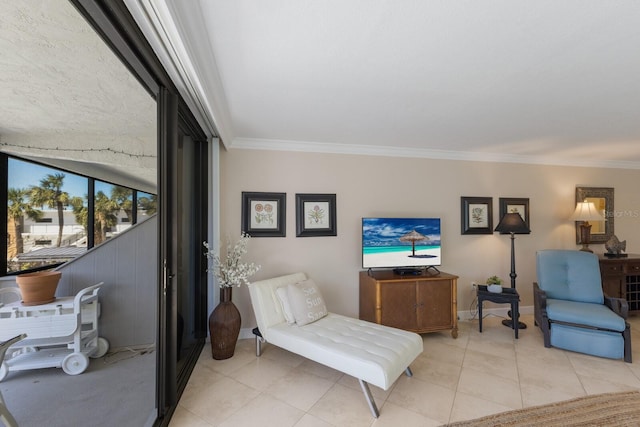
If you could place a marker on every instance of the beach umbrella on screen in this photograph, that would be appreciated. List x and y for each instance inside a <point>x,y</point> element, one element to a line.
<point>413,237</point>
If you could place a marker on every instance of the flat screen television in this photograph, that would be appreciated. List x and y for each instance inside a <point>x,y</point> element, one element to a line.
<point>408,245</point>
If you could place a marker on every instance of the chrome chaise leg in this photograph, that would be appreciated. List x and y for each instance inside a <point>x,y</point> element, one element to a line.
<point>259,341</point>
<point>369,397</point>
<point>408,371</point>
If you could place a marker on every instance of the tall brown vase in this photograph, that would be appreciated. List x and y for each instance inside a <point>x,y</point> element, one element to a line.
<point>224,326</point>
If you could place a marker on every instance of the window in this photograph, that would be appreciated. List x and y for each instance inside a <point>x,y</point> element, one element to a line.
<point>48,213</point>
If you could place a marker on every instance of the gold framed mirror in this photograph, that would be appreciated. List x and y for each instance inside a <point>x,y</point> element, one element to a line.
<point>602,198</point>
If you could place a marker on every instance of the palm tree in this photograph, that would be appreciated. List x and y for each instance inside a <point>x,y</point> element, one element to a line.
<point>50,193</point>
<point>148,204</point>
<point>105,216</point>
<point>18,207</point>
<point>122,196</point>
<point>80,211</point>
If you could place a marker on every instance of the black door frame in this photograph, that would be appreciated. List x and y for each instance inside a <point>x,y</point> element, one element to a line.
<point>113,22</point>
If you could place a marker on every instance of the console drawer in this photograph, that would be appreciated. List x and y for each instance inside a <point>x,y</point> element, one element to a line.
<point>613,268</point>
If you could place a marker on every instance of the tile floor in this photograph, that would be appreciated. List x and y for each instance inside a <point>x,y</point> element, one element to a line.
<point>474,375</point>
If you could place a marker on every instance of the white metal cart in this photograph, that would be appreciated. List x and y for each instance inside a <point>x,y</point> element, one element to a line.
<point>61,334</point>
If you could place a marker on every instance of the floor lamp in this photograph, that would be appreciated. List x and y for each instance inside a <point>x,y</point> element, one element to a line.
<point>512,223</point>
<point>585,212</point>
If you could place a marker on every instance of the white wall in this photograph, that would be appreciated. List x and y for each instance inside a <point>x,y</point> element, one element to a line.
<point>385,186</point>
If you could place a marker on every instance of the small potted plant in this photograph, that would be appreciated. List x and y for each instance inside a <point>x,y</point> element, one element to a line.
<point>494,284</point>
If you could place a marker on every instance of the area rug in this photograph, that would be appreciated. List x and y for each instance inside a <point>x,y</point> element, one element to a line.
<point>610,409</point>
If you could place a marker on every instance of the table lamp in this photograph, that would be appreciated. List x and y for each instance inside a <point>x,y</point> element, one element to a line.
<point>585,212</point>
<point>512,223</point>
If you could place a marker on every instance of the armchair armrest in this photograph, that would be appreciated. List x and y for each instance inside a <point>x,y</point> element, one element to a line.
<point>618,305</point>
<point>539,297</point>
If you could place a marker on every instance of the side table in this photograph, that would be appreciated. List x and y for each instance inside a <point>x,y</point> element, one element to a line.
<point>507,296</point>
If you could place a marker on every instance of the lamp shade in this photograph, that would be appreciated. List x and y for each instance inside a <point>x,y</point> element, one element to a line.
<point>586,211</point>
<point>512,223</point>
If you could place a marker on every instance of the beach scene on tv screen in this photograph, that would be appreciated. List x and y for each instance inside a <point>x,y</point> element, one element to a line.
<point>400,242</point>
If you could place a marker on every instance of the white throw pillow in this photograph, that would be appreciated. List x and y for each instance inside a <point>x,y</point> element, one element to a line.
<point>281,292</point>
<point>306,302</point>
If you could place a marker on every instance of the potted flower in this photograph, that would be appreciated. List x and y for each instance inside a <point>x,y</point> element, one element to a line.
<point>494,284</point>
<point>224,321</point>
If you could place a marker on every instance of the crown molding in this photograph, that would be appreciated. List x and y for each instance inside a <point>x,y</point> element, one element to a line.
<point>387,151</point>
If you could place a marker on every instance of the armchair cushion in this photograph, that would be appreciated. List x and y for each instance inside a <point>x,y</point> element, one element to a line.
<point>582,313</point>
<point>570,275</point>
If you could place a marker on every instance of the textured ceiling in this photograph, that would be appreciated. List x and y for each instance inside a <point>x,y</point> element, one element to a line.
<point>67,100</point>
<point>542,81</point>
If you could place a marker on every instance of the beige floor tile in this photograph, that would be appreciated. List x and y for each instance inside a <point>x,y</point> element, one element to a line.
<point>616,371</point>
<point>344,407</point>
<point>309,420</point>
<point>454,379</point>
<point>263,410</point>
<point>437,350</point>
<point>468,407</point>
<point>300,389</point>
<point>445,337</point>
<point>436,371</point>
<point>493,347</point>
<point>494,365</point>
<point>490,387</point>
<point>393,415</point>
<point>598,386</point>
<point>534,395</point>
<point>561,379</point>
<point>183,418</point>
<point>261,373</point>
<point>225,367</point>
<point>219,401</point>
<point>428,399</point>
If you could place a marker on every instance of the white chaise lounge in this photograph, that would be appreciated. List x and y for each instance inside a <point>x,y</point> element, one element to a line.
<point>372,353</point>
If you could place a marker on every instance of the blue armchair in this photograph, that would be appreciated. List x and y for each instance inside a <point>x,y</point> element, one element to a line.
<point>571,309</point>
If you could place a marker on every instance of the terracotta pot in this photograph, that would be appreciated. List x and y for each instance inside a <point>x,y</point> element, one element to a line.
<point>38,288</point>
<point>224,326</point>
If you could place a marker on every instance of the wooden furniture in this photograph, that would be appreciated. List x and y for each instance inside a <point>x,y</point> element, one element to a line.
<point>621,278</point>
<point>507,296</point>
<point>425,303</point>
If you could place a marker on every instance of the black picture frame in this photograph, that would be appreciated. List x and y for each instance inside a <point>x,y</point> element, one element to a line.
<point>515,204</point>
<point>264,214</point>
<point>316,215</point>
<point>476,215</point>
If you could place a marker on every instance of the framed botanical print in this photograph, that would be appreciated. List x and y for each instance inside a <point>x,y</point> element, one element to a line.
<point>476,216</point>
<point>263,214</point>
<point>511,205</point>
<point>316,215</point>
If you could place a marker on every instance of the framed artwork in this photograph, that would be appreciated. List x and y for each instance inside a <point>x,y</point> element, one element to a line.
<point>263,214</point>
<point>476,216</point>
<point>316,215</point>
<point>511,205</point>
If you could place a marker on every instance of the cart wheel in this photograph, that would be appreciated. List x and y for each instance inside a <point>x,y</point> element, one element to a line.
<point>102,347</point>
<point>4,370</point>
<point>75,363</point>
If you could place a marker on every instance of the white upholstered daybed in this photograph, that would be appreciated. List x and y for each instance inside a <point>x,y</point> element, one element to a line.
<point>372,353</point>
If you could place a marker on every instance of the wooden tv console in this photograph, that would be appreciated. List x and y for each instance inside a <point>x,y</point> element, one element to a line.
<point>424,303</point>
